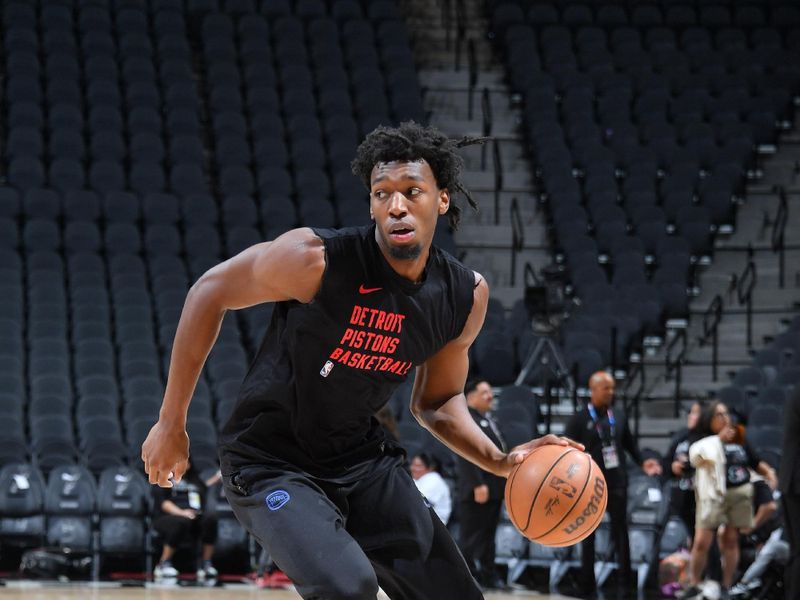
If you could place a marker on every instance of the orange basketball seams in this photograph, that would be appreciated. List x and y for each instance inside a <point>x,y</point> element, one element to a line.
<point>556,496</point>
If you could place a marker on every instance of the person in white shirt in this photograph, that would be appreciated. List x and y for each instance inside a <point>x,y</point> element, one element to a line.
<point>431,485</point>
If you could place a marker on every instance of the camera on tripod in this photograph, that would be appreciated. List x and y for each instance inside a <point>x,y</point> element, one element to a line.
<point>544,297</point>
<point>545,366</point>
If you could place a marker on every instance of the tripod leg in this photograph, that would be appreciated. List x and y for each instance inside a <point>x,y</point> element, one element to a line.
<point>532,359</point>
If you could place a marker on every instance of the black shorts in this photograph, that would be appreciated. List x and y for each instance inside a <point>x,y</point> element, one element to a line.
<point>340,541</point>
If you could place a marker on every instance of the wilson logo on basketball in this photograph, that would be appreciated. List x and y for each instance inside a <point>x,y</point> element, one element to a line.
<point>591,508</point>
<point>563,487</point>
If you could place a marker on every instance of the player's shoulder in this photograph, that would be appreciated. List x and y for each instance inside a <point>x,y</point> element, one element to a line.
<point>301,244</point>
<point>355,233</point>
<point>445,258</point>
<point>454,264</point>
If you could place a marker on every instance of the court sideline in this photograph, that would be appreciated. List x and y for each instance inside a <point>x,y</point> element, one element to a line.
<point>44,591</point>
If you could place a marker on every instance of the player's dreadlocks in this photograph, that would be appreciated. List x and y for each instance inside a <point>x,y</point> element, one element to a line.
<point>412,141</point>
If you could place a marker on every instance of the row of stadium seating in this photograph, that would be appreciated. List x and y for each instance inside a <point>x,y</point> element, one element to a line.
<point>273,115</point>
<point>107,517</point>
<point>144,143</point>
<point>710,14</point>
<point>641,137</point>
<point>758,393</point>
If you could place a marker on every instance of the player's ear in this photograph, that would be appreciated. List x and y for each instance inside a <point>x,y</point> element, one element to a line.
<point>444,201</point>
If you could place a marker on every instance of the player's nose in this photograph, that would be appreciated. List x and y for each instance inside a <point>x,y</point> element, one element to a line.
<point>397,205</point>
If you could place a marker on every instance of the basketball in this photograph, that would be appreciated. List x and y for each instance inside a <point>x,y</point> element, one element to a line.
<point>556,496</point>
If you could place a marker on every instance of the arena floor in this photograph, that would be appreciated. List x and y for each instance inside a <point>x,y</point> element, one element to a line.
<point>20,590</point>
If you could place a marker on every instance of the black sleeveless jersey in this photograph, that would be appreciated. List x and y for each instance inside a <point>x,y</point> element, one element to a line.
<point>324,368</point>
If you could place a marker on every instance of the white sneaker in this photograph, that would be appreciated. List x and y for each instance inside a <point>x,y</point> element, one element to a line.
<point>165,570</point>
<point>743,590</point>
<point>207,571</point>
<point>711,590</point>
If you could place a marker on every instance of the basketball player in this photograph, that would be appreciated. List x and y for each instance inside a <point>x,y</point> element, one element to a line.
<point>305,465</point>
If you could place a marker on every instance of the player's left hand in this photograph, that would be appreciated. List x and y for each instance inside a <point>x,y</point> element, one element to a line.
<point>518,453</point>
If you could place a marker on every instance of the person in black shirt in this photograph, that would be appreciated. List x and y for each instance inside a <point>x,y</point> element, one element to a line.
<point>680,471</point>
<point>180,516</point>
<point>604,432</point>
<point>790,490</point>
<point>305,465</point>
<point>720,454</point>
<point>480,494</point>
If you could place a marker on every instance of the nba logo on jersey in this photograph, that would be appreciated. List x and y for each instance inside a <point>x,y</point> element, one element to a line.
<point>326,369</point>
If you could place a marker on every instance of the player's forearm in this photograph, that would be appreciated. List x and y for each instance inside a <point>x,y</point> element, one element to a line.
<point>453,425</point>
<point>197,331</point>
<point>170,508</point>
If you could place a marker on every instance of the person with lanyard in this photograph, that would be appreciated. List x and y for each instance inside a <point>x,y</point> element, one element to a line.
<point>480,493</point>
<point>180,516</point>
<point>605,434</point>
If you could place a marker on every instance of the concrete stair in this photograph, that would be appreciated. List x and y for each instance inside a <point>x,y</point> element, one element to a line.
<point>772,306</point>
<point>485,237</point>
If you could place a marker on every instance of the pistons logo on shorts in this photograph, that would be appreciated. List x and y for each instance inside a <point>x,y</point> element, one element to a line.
<point>277,499</point>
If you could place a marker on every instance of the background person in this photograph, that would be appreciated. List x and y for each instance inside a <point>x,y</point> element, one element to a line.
<point>425,471</point>
<point>480,494</point>
<point>724,493</point>
<point>790,490</point>
<point>604,432</point>
<point>679,470</point>
<point>180,517</point>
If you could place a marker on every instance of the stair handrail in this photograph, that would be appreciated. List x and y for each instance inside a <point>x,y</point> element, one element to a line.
<point>517,237</point>
<point>461,31</point>
<point>778,237</point>
<point>675,363</point>
<point>635,373</point>
<point>447,22</point>
<point>711,319</point>
<point>472,60</point>
<point>744,292</point>
<point>487,122</point>
<point>497,159</point>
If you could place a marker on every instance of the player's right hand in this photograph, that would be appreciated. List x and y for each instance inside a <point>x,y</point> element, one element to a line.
<point>165,453</point>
